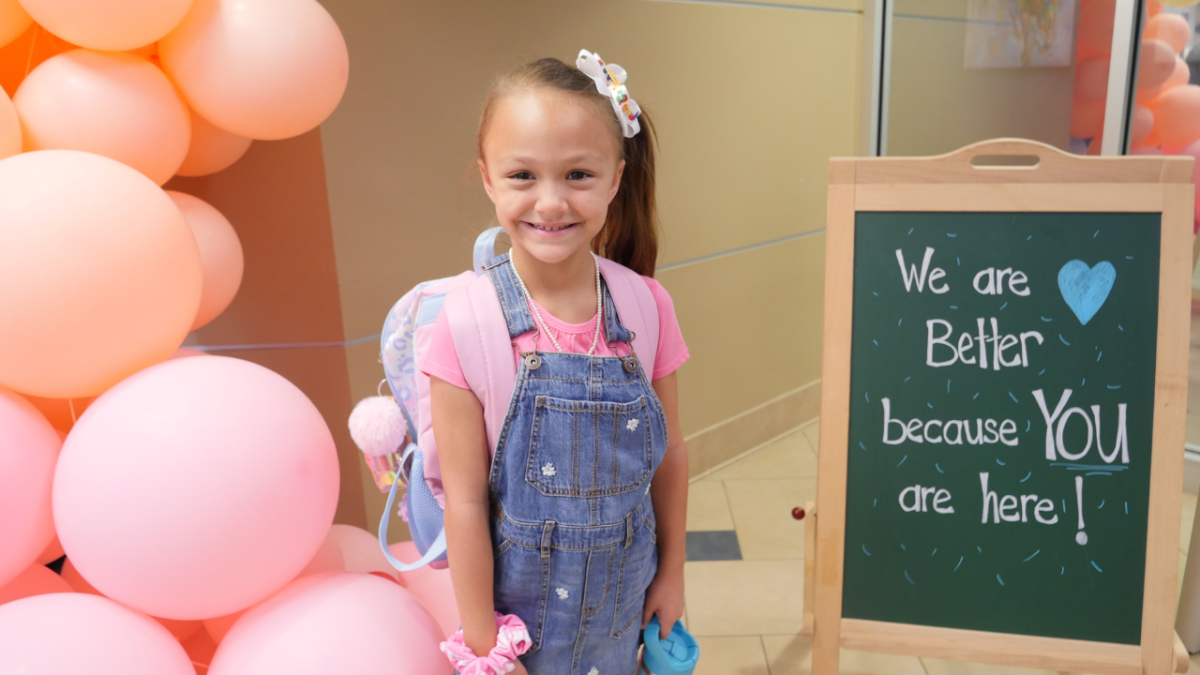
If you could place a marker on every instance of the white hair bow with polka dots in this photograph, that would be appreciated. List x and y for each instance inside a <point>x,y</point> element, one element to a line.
<point>610,81</point>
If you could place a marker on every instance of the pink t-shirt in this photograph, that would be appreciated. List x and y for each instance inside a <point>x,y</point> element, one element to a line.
<point>441,360</point>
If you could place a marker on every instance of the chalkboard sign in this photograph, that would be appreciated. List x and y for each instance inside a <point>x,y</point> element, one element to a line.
<point>1003,396</point>
<point>1002,379</point>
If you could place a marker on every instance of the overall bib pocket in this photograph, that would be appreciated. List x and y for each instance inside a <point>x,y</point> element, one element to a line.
<point>589,448</point>
<point>521,584</point>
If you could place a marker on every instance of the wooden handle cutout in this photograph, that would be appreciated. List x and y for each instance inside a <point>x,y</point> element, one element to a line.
<point>1005,161</point>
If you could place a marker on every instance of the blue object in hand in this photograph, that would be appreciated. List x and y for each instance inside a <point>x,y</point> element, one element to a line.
<point>676,655</point>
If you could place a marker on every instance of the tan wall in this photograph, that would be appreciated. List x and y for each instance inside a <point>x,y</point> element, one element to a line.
<point>750,102</point>
<point>937,105</point>
<point>275,198</point>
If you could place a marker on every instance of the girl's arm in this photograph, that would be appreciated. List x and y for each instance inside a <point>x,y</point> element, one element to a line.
<point>669,491</point>
<point>463,452</point>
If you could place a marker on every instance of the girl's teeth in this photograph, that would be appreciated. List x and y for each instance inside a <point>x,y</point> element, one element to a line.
<point>550,229</point>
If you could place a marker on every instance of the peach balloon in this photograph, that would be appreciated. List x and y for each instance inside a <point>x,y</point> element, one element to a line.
<point>337,622</point>
<point>14,20</point>
<point>108,25</point>
<point>1156,62</point>
<point>10,128</point>
<point>432,587</point>
<point>28,450</point>
<point>86,241</point>
<point>1143,124</point>
<point>1177,115</point>
<point>61,412</point>
<point>213,149</point>
<point>1178,77</point>
<point>35,580</point>
<point>200,649</point>
<point>19,57</point>
<point>1087,118</point>
<point>112,104</point>
<point>1096,24</point>
<point>361,550</point>
<point>231,447</point>
<point>78,634</point>
<point>328,558</point>
<point>220,255</point>
<point>1153,8</point>
<point>263,69</point>
<point>1091,79</point>
<point>1171,29</point>
<point>51,553</point>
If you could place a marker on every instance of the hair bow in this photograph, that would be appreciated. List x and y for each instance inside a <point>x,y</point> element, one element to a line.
<point>610,81</point>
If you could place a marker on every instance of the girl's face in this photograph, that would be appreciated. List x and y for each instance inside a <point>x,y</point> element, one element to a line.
<point>551,165</point>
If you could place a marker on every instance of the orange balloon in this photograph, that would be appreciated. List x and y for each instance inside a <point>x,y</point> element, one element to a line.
<point>109,25</point>
<point>213,149</point>
<point>1153,8</point>
<point>181,629</point>
<point>53,552</point>
<point>1096,24</point>
<point>13,21</point>
<point>88,244</point>
<point>10,128</point>
<point>1179,77</point>
<point>1171,29</point>
<point>1143,124</point>
<point>1177,115</point>
<point>76,581</point>
<point>220,255</point>
<point>35,580</point>
<point>27,52</point>
<point>112,104</point>
<point>1155,64</point>
<point>200,648</point>
<point>1091,79</point>
<point>1087,119</point>
<point>264,69</point>
<point>59,410</point>
<point>218,626</point>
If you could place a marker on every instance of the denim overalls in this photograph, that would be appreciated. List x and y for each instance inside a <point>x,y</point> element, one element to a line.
<point>572,521</point>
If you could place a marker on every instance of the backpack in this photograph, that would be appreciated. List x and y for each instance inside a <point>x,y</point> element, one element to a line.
<point>485,353</point>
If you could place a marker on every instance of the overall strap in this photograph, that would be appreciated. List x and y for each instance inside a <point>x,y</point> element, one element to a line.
<point>512,298</point>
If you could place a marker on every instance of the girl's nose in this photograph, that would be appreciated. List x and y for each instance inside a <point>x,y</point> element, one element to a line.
<point>551,203</point>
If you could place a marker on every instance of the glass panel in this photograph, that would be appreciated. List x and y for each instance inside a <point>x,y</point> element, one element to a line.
<point>967,70</point>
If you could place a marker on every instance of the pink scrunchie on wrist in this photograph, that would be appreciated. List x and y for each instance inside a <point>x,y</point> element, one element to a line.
<point>512,640</point>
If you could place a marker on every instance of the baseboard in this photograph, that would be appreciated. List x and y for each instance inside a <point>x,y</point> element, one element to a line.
<point>727,440</point>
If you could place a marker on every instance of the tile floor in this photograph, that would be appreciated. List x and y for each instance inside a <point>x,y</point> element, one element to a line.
<point>746,613</point>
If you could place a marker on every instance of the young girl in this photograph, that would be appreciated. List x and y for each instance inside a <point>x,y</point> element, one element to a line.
<point>574,521</point>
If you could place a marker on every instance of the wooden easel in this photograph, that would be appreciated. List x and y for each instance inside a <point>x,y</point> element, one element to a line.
<point>965,181</point>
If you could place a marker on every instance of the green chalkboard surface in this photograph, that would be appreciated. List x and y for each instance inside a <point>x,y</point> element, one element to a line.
<point>1058,422</point>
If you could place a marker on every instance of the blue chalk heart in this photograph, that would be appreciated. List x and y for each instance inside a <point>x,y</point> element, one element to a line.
<point>1084,289</point>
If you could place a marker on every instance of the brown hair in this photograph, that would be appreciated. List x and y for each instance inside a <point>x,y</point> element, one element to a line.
<point>630,233</point>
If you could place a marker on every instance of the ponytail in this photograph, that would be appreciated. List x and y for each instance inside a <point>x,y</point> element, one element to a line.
<point>630,233</point>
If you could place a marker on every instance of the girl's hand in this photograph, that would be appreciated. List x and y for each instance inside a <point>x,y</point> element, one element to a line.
<point>664,597</point>
<point>519,668</point>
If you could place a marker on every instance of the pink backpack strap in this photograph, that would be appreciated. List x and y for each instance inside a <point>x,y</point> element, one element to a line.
<point>484,349</point>
<point>636,308</point>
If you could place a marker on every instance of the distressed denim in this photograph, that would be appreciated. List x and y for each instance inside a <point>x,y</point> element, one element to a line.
<point>573,524</point>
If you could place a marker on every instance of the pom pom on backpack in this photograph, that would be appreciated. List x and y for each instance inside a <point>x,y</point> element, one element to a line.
<point>377,426</point>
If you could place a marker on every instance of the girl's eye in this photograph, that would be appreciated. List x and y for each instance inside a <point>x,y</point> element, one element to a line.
<point>578,175</point>
<point>522,175</point>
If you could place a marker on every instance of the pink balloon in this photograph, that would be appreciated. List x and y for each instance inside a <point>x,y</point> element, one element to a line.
<point>78,634</point>
<point>432,587</point>
<point>221,448</point>
<point>112,104</point>
<point>1143,124</point>
<point>35,580</point>
<point>338,622</point>
<point>13,21</point>
<point>328,558</point>
<point>1171,29</point>
<point>213,149</point>
<point>220,255</point>
<point>361,550</point>
<point>52,552</point>
<point>28,449</point>
<point>265,69</point>
<point>1155,63</point>
<point>109,25</point>
<point>88,244</point>
<point>10,126</point>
